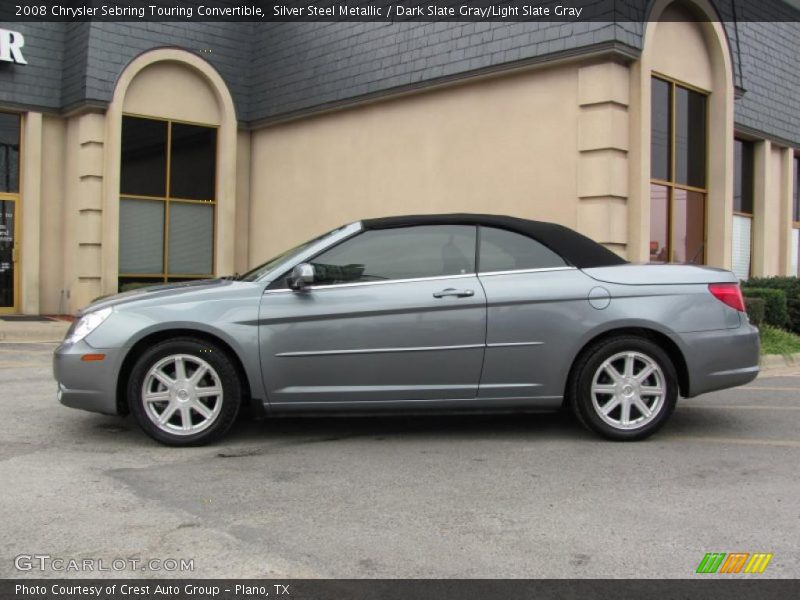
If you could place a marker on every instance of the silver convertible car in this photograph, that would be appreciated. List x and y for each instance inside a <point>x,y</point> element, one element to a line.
<point>418,313</point>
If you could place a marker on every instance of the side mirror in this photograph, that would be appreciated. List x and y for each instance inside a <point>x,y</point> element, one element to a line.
<point>302,275</point>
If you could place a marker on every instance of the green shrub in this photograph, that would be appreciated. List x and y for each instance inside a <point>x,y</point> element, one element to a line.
<point>755,310</point>
<point>789,285</point>
<point>775,310</point>
<point>793,308</point>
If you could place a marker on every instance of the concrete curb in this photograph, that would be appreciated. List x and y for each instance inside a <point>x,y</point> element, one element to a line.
<point>12,332</point>
<point>780,362</point>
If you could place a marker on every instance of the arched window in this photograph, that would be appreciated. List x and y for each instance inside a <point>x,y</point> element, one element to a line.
<point>177,138</point>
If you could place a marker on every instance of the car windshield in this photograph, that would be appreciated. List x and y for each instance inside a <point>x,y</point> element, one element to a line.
<point>259,271</point>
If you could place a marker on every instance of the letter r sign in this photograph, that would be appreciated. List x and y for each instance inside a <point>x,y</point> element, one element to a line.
<point>11,43</point>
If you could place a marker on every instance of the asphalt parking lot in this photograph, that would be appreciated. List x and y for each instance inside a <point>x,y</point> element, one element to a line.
<point>499,496</point>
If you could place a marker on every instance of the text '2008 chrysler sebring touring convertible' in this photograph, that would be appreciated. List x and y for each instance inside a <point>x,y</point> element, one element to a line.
<point>435,312</point>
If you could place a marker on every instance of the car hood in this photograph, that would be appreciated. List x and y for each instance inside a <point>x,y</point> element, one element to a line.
<point>153,292</point>
<point>633,274</point>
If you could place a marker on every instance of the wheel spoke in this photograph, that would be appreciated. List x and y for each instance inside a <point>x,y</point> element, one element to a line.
<point>166,415</point>
<point>163,378</point>
<point>610,405</point>
<point>205,392</point>
<point>180,368</point>
<point>642,407</point>
<point>198,374</point>
<point>156,397</point>
<point>625,415</point>
<point>645,373</point>
<point>202,409</point>
<point>604,389</point>
<point>629,360</point>
<point>652,390</point>
<point>186,418</point>
<point>611,371</point>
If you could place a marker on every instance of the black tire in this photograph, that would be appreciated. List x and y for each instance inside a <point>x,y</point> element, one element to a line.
<point>588,366</point>
<point>222,370</point>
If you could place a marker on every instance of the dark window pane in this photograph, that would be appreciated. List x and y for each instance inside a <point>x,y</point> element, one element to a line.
<point>659,219</point>
<point>690,138</point>
<point>144,157</point>
<point>193,162</point>
<point>404,253</point>
<point>503,250</point>
<point>9,153</point>
<point>688,227</point>
<point>7,219</point>
<point>743,177</point>
<point>660,130</point>
<point>141,236</point>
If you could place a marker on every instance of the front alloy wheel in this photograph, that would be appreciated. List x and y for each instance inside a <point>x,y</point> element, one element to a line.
<point>184,392</point>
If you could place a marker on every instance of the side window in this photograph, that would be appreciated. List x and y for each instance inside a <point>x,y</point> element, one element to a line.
<point>503,250</point>
<point>403,253</point>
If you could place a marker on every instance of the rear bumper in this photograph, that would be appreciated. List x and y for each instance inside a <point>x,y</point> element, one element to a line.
<point>90,385</point>
<point>720,359</point>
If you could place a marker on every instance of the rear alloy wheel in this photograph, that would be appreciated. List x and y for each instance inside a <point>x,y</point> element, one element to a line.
<point>184,392</point>
<point>625,388</point>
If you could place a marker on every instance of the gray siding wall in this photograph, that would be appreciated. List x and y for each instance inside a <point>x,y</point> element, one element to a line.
<point>38,83</point>
<point>298,66</point>
<point>277,69</point>
<point>770,68</point>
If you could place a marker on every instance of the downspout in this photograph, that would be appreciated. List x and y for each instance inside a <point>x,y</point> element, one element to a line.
<point>739,88</point>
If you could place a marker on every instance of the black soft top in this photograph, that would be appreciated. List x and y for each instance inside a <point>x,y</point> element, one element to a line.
<point>578,250</point>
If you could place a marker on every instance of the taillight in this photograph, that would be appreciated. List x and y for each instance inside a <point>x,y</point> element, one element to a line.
<point>729,293</point>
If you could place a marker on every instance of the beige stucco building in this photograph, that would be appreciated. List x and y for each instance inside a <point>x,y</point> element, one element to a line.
<point>639,148</point>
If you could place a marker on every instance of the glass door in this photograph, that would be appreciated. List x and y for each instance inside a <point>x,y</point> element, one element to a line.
<point>9,210</point>
<point>8,256</point>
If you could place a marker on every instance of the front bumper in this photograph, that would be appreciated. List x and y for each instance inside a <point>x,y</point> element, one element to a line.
<point>86,385</point>
<point>721,359</point>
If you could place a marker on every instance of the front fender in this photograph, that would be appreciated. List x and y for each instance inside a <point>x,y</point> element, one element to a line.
<point>234,322</point>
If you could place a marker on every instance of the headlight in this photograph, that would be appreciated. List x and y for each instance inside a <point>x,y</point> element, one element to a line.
<point>87,324</point>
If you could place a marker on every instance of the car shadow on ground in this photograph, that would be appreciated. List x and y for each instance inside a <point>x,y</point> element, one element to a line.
<point>250,432</point>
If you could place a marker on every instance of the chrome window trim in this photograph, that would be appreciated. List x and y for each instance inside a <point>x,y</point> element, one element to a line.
<point>416,279</point>
<point>520,271</point>
<point>382,282</point>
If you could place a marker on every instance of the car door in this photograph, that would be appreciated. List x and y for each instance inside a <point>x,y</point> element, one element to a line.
<point>395,316</point>
<point>536,310</point>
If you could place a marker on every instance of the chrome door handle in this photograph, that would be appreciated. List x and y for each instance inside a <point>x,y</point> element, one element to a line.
<point>454,292</point>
